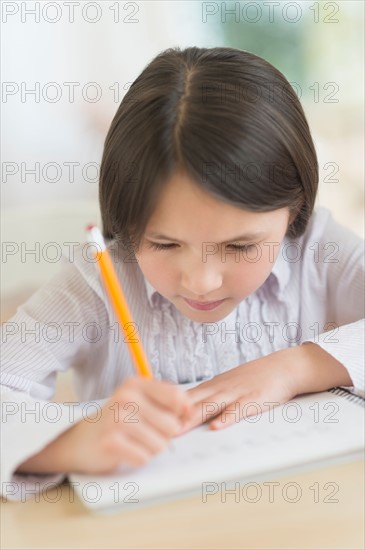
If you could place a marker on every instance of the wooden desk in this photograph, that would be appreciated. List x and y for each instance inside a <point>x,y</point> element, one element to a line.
<point>190,523</point>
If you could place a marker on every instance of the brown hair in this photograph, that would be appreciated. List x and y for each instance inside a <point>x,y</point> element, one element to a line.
<point>224,116</point>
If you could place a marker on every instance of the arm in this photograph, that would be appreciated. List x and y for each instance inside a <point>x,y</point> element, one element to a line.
<point>314,369</point>
<point>100,442</point>
<point>341,271</point>
<point>270,380</point>
<point>345,346</point>
<point>30,359</point>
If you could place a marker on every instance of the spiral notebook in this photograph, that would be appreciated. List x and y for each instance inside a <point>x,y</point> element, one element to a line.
<point>312,430</point>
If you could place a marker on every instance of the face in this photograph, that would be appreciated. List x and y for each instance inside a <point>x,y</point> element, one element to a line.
<point>204,255</point>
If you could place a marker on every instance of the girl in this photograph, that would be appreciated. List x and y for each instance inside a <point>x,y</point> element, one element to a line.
<point>207,188</point>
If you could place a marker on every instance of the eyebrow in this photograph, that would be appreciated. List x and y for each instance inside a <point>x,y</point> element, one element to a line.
<point>247,237</point>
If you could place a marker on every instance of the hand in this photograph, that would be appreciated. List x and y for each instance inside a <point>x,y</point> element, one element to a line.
<point>135,424</point>
<point>273,379</point>
<point>270,379</point>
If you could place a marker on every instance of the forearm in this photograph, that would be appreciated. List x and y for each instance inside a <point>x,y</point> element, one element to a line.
<point>54,458</point>
<point>314,369</point>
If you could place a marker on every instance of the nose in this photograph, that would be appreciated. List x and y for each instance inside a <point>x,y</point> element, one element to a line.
<point>201,279</point>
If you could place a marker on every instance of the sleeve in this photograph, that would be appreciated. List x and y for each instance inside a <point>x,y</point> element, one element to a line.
<point>44,337</point>
<point>341,260</point>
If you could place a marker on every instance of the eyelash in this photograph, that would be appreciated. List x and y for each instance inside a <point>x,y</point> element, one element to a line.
<point>160,246</point>
<point>241,246</point>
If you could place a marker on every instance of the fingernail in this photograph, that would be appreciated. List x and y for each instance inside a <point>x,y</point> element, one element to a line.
<point>187,408</point>
<point>215,425</point>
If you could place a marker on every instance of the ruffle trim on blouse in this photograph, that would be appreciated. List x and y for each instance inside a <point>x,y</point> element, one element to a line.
<point>176,348</point>
<point>264,318</point>
<point>181,351</point>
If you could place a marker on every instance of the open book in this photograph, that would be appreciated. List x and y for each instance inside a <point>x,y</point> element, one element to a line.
<point>309,431</point>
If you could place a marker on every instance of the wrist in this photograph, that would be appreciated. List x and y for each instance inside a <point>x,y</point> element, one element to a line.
<point>52,459</point>
<point>315,370</point>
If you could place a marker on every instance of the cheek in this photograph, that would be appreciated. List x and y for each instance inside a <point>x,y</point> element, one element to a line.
<point>147,263</point>
<point>248,276</point>
<point>155,268</point>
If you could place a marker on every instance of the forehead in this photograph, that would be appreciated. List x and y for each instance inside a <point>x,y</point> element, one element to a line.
<point>183,197</point>
<point>187,213</point>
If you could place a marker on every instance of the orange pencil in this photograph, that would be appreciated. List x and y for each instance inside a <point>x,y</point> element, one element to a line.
<point>118,300</point>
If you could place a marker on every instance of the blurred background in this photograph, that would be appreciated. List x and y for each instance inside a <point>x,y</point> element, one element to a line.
<point>67,65</point>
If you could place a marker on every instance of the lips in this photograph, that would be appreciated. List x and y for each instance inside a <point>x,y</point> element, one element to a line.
<point>204,306</point>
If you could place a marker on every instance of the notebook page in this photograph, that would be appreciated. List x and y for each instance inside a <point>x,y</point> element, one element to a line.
<point>307,429</point>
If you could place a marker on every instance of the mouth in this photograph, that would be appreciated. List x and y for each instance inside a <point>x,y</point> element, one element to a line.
<point>204,306</point>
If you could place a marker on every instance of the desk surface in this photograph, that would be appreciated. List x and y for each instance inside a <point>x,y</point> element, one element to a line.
<point>336,521</point>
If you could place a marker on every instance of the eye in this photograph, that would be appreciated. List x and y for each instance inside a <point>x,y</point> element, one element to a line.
<point>160,246</point>
<point>241,246</point>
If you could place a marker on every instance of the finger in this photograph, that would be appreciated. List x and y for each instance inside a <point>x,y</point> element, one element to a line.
<point>201,392</point>
<point>212,405</point>
<point>171,397</point>
<point>140,409</point>
<point>128,451</point>
<point>161,420</point>
<point>199,416</point>
<point>146,437</point>
<point>222,421</point>
<point>236,411</point>
<point>220,408</point>
<point>163,393</point>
